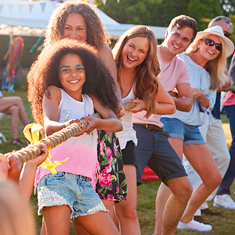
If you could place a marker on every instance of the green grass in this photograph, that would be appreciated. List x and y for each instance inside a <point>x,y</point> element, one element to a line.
<point>146,192</point>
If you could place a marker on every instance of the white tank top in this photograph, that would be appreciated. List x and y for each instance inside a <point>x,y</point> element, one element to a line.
<point>128,133</point>
<point>82,150</point>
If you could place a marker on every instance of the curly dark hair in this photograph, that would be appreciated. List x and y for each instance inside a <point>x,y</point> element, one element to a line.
<point>96,35</point>
<point>44,72</point>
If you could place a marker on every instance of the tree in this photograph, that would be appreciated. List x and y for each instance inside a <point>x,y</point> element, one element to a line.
<point>227,6</point>
<point>160,12</point>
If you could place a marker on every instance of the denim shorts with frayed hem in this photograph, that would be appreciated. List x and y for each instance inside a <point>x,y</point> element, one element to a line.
<point>75,191</point>
<point>177,129</point>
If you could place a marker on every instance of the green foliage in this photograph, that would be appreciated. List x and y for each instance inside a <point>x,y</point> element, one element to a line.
<point>227,6</point>
<point>200,11</point>
<point>160,12</point>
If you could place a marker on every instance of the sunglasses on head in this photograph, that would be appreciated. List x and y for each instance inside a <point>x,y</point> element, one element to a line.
<point>211,43</point>
<point>227,34</point>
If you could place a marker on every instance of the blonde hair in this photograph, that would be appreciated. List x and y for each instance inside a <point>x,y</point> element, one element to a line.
<point>16,216</point>
<point>216,68</point>
<point>147,72</point>
<point>96,35</point>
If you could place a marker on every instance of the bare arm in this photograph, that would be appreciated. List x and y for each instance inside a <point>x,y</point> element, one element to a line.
<point>184,99</point>
<point>107,57</point>
<point>50,108</point>
<point>28,172</point>
<point>203,100</point>
<point>164,103</point>
<point>109,122</point>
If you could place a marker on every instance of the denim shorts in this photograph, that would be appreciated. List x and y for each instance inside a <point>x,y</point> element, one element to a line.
<point>177,129</point>
<point>128,154</point>
<point>69,189</point>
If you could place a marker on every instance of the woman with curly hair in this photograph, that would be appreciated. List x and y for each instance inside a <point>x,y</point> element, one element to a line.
<point>79,21</point>
<point>138,68</point>
<point>69,82</point>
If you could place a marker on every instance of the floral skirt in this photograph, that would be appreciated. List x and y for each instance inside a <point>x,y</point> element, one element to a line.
<point>111,181</point>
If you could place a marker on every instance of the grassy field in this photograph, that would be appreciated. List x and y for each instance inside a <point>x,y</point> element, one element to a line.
<point>146,192</point>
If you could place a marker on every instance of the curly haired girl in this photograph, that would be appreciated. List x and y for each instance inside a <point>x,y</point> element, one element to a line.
<point>66,84</point>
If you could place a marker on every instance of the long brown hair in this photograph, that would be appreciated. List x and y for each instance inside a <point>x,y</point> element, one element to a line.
<point>96,35</point>
<point>147,72</point>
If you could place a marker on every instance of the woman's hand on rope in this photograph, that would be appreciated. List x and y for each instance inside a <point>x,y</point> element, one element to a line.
<point>196,93</point>
<point>140,105</point>
<point>121,111</point>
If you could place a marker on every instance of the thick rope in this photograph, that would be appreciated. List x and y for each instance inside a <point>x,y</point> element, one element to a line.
<point>33,150</point>
<point>229,88</point>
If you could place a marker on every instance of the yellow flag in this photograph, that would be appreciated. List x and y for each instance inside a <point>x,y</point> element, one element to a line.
<point>32,134</point>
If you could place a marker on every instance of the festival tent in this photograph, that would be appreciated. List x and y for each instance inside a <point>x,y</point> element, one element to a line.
<point>26,18</point>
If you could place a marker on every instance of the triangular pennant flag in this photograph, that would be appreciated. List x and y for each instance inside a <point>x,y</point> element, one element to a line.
<point>20,7</point>
<point>10,7</point>
<point>53,4</point>
<point>1,6</point>
<point>104,1</point>
<point>43,4</point>
<point>91,1</point>
<point>30,7</point>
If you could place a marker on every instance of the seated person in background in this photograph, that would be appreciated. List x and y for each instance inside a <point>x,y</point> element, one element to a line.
<point>14,106</point>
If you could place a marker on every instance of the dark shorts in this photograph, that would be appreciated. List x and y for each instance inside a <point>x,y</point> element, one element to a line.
<point>128,154</point>
<point>154,150</point>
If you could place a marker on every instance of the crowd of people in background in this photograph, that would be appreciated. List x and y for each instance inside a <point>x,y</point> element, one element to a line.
<point>174,128</point>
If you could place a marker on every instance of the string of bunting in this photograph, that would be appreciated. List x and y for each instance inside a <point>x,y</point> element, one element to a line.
<point>31,5</point>
<point>33,150</point>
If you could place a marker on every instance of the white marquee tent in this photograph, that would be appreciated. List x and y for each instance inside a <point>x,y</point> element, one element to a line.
<point>21,17</point>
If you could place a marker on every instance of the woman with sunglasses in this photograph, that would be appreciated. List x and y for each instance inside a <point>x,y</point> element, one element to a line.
<point>215,140</point>
<point>206,60</point>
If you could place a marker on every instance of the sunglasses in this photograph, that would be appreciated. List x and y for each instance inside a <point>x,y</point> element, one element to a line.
<point>209,42</point>
<point>227,34</point>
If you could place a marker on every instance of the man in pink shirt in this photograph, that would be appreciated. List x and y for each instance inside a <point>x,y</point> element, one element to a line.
<point>153,148</point>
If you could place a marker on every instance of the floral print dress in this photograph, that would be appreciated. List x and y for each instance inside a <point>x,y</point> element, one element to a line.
<point>111,180</point>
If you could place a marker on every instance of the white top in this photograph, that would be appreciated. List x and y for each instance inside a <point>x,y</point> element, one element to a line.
<point>128,133</point>
<point>81,150</point>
